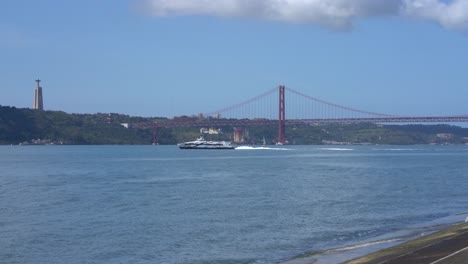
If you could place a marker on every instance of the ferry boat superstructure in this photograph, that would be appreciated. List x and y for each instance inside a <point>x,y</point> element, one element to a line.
<point>201,143</point>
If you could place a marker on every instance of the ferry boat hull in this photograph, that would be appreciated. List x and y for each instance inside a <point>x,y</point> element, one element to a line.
<point>200,143</point>
<point>205,147</point>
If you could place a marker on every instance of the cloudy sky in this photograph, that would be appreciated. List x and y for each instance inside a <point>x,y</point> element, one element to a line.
<point>335,14</point>
<point>173,57</point>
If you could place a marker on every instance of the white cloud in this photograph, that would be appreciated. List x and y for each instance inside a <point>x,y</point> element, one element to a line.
<point>452,14</point>
<point>336,14</point>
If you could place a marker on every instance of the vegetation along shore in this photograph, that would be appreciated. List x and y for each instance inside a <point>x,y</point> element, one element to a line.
<point>27,126</point>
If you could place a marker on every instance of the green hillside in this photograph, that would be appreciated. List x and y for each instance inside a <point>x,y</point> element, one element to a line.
<point>29,126</point>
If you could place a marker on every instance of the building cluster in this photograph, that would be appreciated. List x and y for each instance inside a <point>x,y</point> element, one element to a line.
<point>42,142</point>
<point>240,135</point>
<point>211,131</point>
<point>445,135</point>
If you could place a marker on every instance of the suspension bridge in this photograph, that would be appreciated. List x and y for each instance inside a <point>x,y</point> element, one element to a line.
<point>270,108</point>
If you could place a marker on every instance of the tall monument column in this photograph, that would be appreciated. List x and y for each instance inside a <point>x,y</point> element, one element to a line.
<point>38,104</point>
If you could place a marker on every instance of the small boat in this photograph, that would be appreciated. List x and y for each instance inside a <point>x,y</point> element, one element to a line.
<point>201,143</point>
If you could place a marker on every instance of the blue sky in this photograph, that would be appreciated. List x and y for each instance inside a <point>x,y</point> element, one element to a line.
<point>169,58</point>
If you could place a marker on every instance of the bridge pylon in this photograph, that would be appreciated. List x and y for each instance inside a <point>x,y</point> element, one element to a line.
<point>281,116</point>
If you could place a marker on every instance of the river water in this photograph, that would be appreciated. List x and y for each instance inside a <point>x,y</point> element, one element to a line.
<point>159,204</point>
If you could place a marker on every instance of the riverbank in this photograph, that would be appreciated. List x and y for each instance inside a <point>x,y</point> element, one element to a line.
<point>449,245</point>
<point>435,248</point>
<point>27,126</point>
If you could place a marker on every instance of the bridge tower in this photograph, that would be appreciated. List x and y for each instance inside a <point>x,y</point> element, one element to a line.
<point>155,133</point>
<point>282,116</point>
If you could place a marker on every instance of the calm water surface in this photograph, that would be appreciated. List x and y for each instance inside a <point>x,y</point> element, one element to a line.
<point>159,204</point>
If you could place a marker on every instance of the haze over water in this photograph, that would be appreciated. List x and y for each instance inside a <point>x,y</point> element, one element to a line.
<point>159,204</point>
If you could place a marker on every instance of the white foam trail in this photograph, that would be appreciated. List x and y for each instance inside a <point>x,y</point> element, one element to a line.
<point>259,148</point>
<point>337,149</point>
<point>397,149</point>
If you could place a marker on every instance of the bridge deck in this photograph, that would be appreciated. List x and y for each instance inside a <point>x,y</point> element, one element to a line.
<point>260,121</point>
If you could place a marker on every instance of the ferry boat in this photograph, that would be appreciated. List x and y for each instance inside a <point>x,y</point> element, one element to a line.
<point>201,143</point>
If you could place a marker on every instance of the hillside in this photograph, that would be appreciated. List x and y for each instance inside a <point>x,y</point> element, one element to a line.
<point>29,126</point>
<point>24,125</point>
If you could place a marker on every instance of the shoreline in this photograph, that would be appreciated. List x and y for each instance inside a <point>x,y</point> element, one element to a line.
<point>431,248</point>
<point>387,248</point>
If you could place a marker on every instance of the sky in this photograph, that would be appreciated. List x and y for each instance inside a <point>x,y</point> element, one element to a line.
<point>183,57</point>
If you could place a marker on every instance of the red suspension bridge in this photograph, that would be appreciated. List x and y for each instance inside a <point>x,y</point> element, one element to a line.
<point>270,108</point>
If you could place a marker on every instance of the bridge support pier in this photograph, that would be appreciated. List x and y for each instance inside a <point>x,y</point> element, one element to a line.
<point>281,116</point>
<point>155,134</point>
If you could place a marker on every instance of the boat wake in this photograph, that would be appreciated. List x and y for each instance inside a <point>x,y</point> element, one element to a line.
<point>337,149</point>
<point>259,148</point>
<point>397,149</point>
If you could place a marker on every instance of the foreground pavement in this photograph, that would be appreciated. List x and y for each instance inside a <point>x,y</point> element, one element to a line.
<point>449,246</point>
